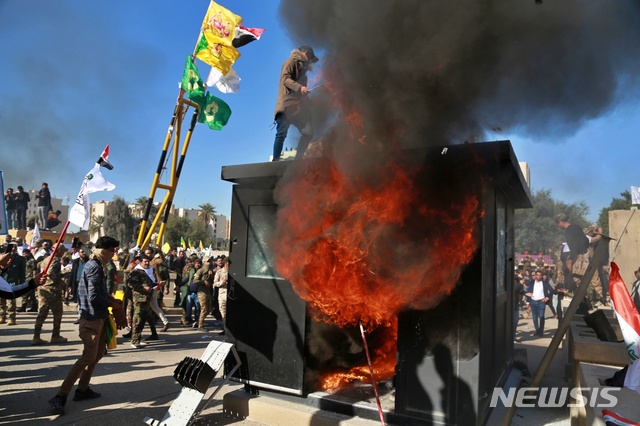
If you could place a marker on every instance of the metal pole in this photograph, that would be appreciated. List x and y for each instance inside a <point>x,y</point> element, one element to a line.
<point>598,257</point>
<point>373,377</point>
<point>55,249</point>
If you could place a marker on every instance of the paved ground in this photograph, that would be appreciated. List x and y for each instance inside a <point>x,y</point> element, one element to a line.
<point>554,377</point>
<point>139,383</point>
<point>134,383</point>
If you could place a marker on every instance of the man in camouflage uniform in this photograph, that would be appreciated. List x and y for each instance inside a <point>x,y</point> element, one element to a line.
<point>30,271</point>
<point>142,287</point>
<point>15,274</point>
<point>50,297</point>
<point>204,278</point>
<point>221,282</point>
<point>188,272</point>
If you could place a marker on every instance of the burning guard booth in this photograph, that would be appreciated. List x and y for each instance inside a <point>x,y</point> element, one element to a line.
<point>449,358</point>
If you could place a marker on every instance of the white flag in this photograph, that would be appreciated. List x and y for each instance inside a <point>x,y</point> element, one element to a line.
<point>80,213</point>
<point>635,195</point>
<point>36,236</point>
<point>214,76</point>
<point>230,83</point>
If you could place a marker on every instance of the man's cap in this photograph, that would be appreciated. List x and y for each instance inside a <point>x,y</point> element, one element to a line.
<point>20,187</point>
<point>45,183</point>
<point>107,243</point>
<point>561,217</point>
<point>309,51</point>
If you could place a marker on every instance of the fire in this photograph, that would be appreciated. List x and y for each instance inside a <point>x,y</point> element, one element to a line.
<point>383,360</point>
<point>361,243</point>
<point>364,253</point>
<point>361,250</point>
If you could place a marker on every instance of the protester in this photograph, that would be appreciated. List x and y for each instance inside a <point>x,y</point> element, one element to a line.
<point>577,262</point>
<point>31,270</point>
<point>44,205</point>
<point>50,298</point>
<point>292,106</point>
<point>161,278</point>
<point>15,273</point>
<point>53,219</point>
<point>13,291</point>
<point>93,302</point>
<point>22,204</point>
<point>538,292</point>
<point>142,287</point>
<point>10,207</point>
<point>221,281</point>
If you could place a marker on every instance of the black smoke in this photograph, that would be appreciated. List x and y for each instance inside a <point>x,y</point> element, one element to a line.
<point>436,72</point>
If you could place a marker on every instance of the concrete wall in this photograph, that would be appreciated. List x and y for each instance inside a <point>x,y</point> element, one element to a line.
<point>627,255</point>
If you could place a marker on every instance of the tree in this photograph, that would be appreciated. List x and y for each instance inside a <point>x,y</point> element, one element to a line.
<point>176,227</point>
<point>536,230</point>
<point>140,206</point>
<point>206,213</point>
<point>198,232</point>
<point>96,225</point>
<point>118,222</point>
<point>623,203</point>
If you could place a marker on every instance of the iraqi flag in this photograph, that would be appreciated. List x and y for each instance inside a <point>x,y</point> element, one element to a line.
<point>246,35</point>
<point>629,321</point>
<point>80,213</point>
<point>615,419</point>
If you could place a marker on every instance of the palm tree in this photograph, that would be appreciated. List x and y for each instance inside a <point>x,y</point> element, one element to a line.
<point>140,206</point>
<point>96,225</point>
<point>206,213</point>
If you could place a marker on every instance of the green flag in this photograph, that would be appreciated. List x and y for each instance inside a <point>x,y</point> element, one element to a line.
<point>214,111</point>
<point>191,81</point>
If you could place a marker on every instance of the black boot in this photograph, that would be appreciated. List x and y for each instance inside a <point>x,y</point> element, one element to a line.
<point>22,308</point>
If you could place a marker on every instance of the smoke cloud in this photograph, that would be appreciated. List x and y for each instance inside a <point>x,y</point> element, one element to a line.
<point>437,72</point>
<point>421,73</point>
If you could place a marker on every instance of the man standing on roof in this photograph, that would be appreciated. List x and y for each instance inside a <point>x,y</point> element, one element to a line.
<point>291,106</point>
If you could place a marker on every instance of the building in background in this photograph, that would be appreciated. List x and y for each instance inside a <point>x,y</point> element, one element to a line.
<point>218,227</point>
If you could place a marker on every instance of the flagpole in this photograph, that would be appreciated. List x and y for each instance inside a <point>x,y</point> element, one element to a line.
<point>55,249</point>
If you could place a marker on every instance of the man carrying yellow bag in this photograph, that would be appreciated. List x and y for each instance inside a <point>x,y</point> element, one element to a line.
<point>93,303</point>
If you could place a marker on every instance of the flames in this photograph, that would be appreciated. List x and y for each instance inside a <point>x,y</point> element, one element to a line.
<point>364,235</point>
<point>361,250</point>
<point>360,253</point>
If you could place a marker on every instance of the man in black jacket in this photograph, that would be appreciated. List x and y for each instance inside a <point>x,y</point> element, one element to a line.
<point>44,205</point>
<point>22,204</point>
<point>578,259</point>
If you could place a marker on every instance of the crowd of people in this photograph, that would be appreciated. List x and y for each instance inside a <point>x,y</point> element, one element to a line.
<point>539,285</point>
<point>17,204</point>
<point>44,280</point>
